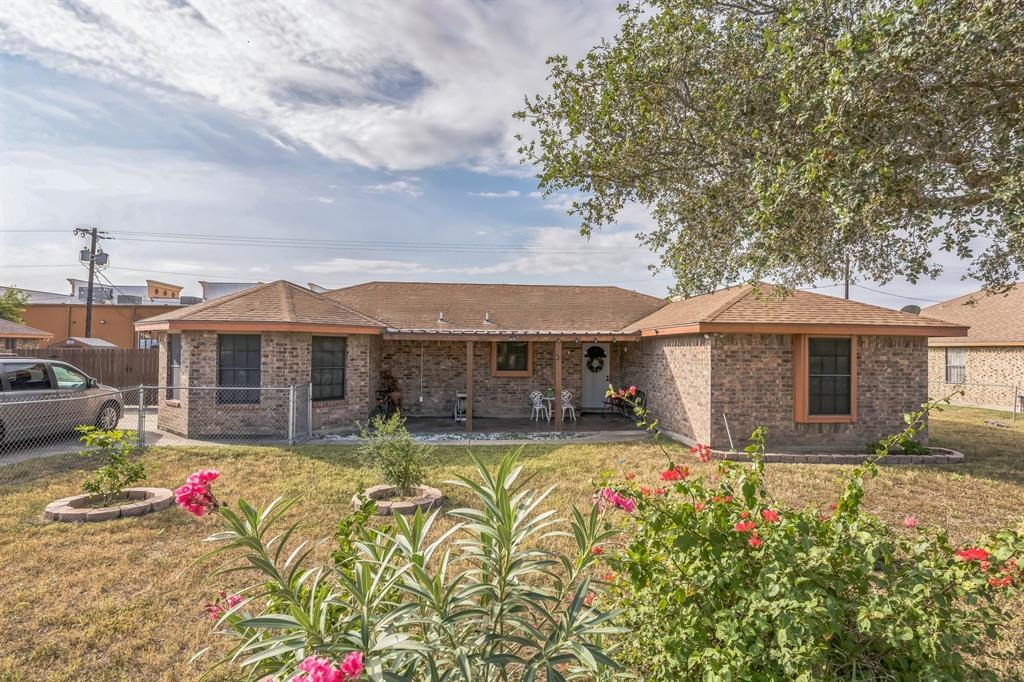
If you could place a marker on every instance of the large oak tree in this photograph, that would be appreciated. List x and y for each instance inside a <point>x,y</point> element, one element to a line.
<point>772,139</point>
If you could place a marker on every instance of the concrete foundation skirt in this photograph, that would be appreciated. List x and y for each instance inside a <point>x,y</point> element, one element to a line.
<point>133,502</point>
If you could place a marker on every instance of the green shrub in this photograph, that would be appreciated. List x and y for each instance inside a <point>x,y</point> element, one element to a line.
<point>120,470</point>
<point>910,446</point>
<point>390,448</point>
<point>479,601</point>
<point>717,580</point>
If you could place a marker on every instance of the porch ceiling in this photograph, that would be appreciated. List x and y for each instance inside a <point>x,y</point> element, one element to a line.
<point>509,334</point>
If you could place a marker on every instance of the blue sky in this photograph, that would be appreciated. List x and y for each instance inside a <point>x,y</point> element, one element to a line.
<point>376,137</point>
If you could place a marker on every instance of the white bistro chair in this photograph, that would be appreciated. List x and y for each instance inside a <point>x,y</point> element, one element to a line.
<point>567,406</point>
<point>540,408</point>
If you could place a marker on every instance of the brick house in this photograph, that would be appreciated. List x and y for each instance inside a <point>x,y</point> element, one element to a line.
<point>815,370</point>
<point>14,336</point>
<point>989,361</point>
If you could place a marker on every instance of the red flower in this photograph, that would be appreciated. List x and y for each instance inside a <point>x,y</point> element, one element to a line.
<point>703,452</point>
<point>597,551</point>
<point>632,390</point>
<point>910,522</point>
<point>823,517</point>
<point>770,516</point>
<point>724,499</point>
<point>622,393</point>
<point>698,506</point>
<point>971,554</point>
<point>608,577</point>
<point>984,565</point>
<point>589,599</point>
<point>659,491</point>
<point>1005,581</point>
<point>675,474</point>
<point>755,541</point>
<point>833,506</point>
<point>644,490</point>
<point>630,475</point>
<point>744,526</point>
<point>744,514</point>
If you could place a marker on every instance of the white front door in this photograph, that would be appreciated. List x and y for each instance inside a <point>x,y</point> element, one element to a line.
<point>596,375</point>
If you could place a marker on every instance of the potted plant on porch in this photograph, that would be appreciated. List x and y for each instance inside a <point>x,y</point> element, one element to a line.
<point>390,448</point>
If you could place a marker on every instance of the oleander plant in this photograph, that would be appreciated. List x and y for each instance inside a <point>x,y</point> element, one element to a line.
<point>718,580</point>
<point>478,601</point>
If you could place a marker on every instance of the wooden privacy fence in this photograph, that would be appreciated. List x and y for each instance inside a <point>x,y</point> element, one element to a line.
<point>118,367</point>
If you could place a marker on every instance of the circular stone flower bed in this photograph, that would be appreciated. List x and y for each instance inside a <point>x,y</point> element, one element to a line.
<point>934,456</point>
<point>426,498</point>
<point>133,502</point>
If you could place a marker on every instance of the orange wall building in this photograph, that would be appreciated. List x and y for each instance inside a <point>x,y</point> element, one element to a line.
<point>115,323</point>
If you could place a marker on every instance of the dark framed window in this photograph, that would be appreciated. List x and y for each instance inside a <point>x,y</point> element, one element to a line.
<point>956,365</point>
<point>829,376</point>
<point>173,366</point>
<point>511,358</point>
<point>238,365</point>
<point>328,367</point>
<point>27,376</point>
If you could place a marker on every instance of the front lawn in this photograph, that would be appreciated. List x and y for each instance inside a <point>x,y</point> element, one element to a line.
<point>118,600</point>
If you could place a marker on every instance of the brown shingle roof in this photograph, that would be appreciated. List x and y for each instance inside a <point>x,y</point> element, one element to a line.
<point>994,319</point>
<point>512,307</point>
<point>278,301</point>
<point>11,329</point>
<point>740,306</point>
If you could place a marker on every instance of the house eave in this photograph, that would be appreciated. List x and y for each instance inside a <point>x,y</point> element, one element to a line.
<point>236,327</point>
<point>812,328</point>
<point>508,334</point>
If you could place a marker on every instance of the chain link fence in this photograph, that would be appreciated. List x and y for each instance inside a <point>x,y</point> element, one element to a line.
<point>1008,397</point>
<point>37,431</point>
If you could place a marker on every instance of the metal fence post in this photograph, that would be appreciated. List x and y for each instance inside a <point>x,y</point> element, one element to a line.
<point>309,411</point>
<point>291,415</point>
<point>141,420</point>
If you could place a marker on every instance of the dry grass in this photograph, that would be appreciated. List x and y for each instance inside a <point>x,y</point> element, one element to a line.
<point>117,600</point>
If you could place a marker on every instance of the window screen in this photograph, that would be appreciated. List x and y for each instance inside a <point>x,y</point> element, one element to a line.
<point>512,356</point>
<point>956,365</point>
<point>173,366</point>
<point>238,365</point>
<point>828,379</point>
<point>328,367</point>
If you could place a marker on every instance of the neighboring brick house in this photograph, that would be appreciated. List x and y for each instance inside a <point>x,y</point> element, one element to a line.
<point>815,370</point>
<point>14,336</point>
<point>989,361</point>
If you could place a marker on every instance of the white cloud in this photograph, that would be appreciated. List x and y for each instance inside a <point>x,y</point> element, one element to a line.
<point>365,267</point>
<point>325,200</point>
<point>384,85</point>
<point>408,187</point>
<point>508,194</point>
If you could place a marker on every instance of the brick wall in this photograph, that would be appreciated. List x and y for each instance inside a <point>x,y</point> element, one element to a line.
<point>436,370</point>
<point>752,383</point>
<point>675,372</point>
<point>993,375</point>
<point>285,362</point>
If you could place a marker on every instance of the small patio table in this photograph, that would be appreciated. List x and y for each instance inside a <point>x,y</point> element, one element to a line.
<point>549,405</point>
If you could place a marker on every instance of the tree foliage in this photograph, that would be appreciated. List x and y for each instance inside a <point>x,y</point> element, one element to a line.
<point>12,304</point>
<point>771,139</point>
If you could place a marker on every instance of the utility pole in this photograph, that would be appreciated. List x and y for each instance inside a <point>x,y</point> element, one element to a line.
<point>846,277</point>
<point>95,235</point>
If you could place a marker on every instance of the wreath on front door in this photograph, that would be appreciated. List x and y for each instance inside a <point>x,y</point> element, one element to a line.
<point>595,359</point>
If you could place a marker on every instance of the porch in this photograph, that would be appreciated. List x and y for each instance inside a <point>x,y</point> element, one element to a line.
<point>486,380</point>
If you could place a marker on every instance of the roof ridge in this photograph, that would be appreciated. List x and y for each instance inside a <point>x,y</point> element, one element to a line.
<point>221,300</point>
<point>289,299</point>
<point>728,303</point>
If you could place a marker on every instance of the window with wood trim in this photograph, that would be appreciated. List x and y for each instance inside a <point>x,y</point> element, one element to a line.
<point>825,378</point>
<point>512,358</point>
<point>328,367</point>
<point>956,365</point>
<point>238,365</point>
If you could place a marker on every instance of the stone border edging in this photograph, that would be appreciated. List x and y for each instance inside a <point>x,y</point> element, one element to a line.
<point>75,508</point>
<point>941,456</point>
<point>429,498</point>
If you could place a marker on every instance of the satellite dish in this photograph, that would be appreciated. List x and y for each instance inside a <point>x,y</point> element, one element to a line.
<point>912,309</point>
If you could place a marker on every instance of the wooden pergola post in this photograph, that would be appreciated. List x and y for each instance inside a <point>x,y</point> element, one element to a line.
<point>469,386</point>
<point>558,384</point>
